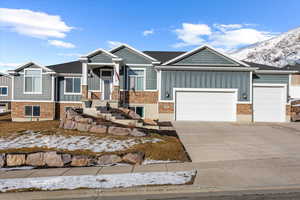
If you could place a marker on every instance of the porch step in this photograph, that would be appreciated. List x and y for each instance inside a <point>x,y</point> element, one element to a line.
<point>98,103</point>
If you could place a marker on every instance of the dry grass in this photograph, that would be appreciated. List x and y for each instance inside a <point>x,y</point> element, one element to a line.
<point>170,149</point>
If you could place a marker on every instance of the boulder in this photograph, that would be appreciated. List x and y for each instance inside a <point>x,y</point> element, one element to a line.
<point>108,159</point>
<point>134,158</point>
<point>135,132</point>
<point>133,115</point>
<point>15,160</point>
<point>66,158</point>
<point>98,129</point>
<point>119,131</point>
<point>2,160</point>
<point>35,159</point>
<point>80,161</point>
<point>71,114</point>
<point>69,124</point>
<point>150,122</point>
<point>83,127</point>
<point>86,120</point>
<point>52,159</point>
<point>61,123</point>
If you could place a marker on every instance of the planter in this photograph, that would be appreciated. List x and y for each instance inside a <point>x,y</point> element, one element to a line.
<point>88,104</point>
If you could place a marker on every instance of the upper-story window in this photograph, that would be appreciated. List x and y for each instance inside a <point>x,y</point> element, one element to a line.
<point>136,79</point>
<point>33,81</point>
<point>72,85</point>
<point>3,90</point>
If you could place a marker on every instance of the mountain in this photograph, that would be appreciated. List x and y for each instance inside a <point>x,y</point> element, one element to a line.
<point>277,51</point>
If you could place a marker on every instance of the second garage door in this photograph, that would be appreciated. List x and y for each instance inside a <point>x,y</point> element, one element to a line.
<point>206,105</point>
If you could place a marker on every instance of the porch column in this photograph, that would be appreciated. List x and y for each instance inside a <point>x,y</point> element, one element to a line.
<point>116,79</point>
<point>84,83</point>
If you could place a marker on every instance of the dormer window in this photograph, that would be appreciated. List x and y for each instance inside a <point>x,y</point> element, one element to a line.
<point>33,81</point>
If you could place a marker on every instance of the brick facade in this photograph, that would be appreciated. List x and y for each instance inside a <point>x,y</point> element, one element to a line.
<point>96,95</point>
<point>166,107</point>
<point>47,110</point>
<point>244,109</point>
<point>288,109</point>
<point>60,108</point>
<point>84,91</point>
<point>145,97</point>
<point>115,95</point>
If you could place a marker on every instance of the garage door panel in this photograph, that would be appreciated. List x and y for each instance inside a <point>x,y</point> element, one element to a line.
<point>269,104</point>
<point>206,106</point>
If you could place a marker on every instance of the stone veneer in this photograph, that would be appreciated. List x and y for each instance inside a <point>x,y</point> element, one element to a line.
<point>96,95</point>
<point>244,109</point>
<point>145,97</point>
<point>84,91</point>
<point>47,111</point>
<point>60,108</point>
<point>166,107</point>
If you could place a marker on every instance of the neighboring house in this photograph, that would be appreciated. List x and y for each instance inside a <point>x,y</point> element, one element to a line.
<point>201,85</point>
<point>294,81</point>
<point>5,92</point>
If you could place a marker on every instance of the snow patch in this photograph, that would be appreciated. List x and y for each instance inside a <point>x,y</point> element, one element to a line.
<point>71,143</point>
<point>150,162</point>
<point>17,168</point>
<point>99,181</point>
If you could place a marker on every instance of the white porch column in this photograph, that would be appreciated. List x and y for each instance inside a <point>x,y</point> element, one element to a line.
<point>84,82</point>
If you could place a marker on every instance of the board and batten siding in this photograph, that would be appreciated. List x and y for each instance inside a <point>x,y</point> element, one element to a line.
<point>94,79</point>
<point>6,81</point>
<point>131,57</point>
<point>205,79</point>
<point>204,56</point>
<point>101,58</point>
<point>46,89</point>
<point>65,97</point>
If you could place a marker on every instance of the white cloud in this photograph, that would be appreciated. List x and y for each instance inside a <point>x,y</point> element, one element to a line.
<point>221,36</point>
<point>148,32</point>
<point>62,44</point>
<point>113,44</point>
<point>70,54</point>
<point>8,66</point>
<point>34,24</point>
<point>191,34</point>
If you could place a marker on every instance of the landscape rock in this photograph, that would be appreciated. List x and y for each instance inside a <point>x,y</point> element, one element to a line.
<point>35,159</point>
<point>2,160</point>
<point>66,158</point>
<point>69,124</point>
<point>80,161</point>
<point>119,131</point>
<point>61,123</point>
<point>52,159</point>
<point>83,127</point>
<point>134,158</point>
<point>135,132</point>
<point>150,122</point>
<point>98,129</point>
<point>71,114</point>
<point>130,113</point>
<point>15,160</point>
<point>108,159</point>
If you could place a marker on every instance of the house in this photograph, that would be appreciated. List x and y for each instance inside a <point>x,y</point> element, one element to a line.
<point>294,80</point>
<point>5,92</point>
<point>203,85</point>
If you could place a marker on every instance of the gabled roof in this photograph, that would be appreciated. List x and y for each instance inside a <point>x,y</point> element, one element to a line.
<point>186,54</point>
<point>97,51</point>
<point>134,50</point>
<point>295,67</point>
<point>164,56</point>
<point>23,66</point>
<point>4,74</point>
<point>74,67</point>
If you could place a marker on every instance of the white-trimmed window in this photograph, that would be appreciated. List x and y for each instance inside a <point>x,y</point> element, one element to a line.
<point>136,78</point>
<point>72,85</point>
<point>138,110</point>
<point>32,111</point>
<point>3,90</point>
<point>33,81</point>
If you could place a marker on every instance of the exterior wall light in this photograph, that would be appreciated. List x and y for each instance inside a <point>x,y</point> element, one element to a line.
<point>244,95</point>
<point>167,94</point>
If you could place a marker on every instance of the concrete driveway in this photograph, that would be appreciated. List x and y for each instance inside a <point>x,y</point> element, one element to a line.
<point>233,141</point>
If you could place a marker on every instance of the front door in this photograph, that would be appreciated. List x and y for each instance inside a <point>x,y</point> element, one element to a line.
<point>107,89</point>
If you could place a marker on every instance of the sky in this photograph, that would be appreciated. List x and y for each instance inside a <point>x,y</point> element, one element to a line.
<point>55,31</point>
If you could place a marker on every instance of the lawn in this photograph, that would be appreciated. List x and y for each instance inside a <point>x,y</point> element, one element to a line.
<point>166,146</point>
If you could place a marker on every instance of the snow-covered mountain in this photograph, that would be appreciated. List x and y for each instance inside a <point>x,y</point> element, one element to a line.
<point>277,51</point>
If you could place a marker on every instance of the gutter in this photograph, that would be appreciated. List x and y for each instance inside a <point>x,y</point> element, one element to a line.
<point>197,68</point>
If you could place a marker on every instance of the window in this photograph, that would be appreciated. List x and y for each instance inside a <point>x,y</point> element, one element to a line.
<point>138,110</point>
<point>33,80</point>
<point>136,79</point>
<point>32,111</point>
<point>106,73</point>
<point>3,90</point>
<point>72,85</point>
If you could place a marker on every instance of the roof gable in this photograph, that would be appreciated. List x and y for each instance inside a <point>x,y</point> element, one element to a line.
<point>131,55</point>
<point>205,55</point>
<point>31,65</point>
<point>100,56</point>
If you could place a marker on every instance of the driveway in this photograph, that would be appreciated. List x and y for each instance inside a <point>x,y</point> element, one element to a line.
<point>233,141</point>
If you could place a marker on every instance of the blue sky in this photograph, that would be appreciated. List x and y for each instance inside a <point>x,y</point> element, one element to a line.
<point>55,31</point>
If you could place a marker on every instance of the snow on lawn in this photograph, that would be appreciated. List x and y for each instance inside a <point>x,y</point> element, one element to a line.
<point>99,181</point>
<point>150,162</point>
<point>71,143</point>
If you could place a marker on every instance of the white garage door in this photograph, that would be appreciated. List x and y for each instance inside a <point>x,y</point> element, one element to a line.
<point>206,105</point>
<point>269,103</point>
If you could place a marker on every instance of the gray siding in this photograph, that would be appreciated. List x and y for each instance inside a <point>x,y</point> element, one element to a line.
<point>204,56</point>
<point>61,95</point>
<point>130,57</point>
<point>94,80</point>
<point>271,78</point>
<point>19,89</point>
<point>101,58</point>
<point>205,79</point>
<point>6,81</point>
